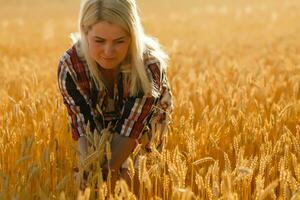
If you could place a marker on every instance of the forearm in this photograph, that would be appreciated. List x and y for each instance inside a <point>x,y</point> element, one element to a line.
<point>121,148</point>
<point>83,145</point>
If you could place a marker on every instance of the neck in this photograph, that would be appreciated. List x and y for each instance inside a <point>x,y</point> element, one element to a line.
<point>109,73</point>
<point>108,77</point>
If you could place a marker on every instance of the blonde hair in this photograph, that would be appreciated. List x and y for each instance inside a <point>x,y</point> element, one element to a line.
<point>123,13</point>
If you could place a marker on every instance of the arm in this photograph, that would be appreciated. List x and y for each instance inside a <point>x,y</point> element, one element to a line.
<point>136,114</point>
<point>121,148</point>
<point>162,117</point>
<point>79,112</point>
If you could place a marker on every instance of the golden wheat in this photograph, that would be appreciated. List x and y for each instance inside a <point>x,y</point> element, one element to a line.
<point>235,130</point>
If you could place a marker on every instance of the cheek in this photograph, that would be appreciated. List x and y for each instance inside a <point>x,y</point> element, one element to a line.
<point>123,50</point>
<point>94,49</point>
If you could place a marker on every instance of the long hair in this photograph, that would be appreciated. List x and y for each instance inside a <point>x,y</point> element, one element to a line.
<point>125,14</point>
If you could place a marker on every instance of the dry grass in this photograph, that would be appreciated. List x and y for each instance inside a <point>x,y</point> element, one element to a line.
<point>235,75</point>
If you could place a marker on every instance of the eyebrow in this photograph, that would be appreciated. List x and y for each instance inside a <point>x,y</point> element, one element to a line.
<point>97,37</point>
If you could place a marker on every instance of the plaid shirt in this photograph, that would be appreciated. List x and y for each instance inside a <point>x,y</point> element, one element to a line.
<point>133,116</point>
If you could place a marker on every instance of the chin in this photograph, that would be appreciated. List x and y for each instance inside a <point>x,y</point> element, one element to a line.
<point>106,65</point>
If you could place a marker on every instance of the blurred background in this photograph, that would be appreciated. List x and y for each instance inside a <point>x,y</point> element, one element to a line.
<point>172,21</point>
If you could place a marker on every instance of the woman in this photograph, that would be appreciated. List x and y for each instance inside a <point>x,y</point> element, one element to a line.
<point>114,74</point>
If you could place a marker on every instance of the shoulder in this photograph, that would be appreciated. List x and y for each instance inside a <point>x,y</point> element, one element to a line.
<point>74,66</point>
<point>70,53</point>
<point>152,63</point>
<point>65,60</point>
<point>71,62</point>
<point>149,58</point>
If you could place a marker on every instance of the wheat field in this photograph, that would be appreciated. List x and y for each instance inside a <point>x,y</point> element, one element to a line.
<point>234,71</point>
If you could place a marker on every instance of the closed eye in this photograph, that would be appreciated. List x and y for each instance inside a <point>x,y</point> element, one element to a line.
<point>99,41</point>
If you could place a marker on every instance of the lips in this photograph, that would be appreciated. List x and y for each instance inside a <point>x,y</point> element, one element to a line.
<point>108,58</point>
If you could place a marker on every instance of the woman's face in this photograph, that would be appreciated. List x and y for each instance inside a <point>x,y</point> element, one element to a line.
<point>108,44</point>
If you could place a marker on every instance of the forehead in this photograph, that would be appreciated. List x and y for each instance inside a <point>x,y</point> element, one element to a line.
<point>107,30</point>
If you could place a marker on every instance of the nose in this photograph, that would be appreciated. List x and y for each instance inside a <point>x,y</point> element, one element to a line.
<point>108,50</point>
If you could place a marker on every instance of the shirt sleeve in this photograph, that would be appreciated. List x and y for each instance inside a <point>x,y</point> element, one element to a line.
<point>165,104</point>
<point>79,112</point>
<point>161,118</point>
<point>137,111</point>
